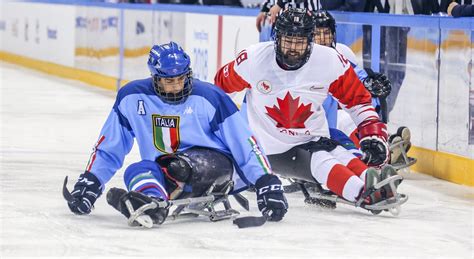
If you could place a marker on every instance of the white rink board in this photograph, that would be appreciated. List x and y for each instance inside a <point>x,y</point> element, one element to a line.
<point>97,28</point>
<point>169,26</point>
<point>238,33</point>
<point>40,31</point>
<point>143,29</point>
<point>416,101</point>
<point>201,44</point>
<point>138,34</point>
<point>98,35</point>
<point>138,29</point>
<point>454,104</point>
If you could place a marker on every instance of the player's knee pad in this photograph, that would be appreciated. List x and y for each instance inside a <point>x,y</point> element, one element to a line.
<point>195,170</point>
<point>147,177</point>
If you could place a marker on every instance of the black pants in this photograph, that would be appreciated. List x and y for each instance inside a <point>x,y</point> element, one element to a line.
<point>296,162</point>
<point>207,166</point>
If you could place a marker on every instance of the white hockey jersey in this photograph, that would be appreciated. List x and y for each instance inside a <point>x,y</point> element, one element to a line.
<point>351,57</point>
<point>284,108</point>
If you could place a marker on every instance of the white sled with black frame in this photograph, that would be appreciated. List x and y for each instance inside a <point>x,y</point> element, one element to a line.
<point>326,199</point>
<point>294,165</point>
<point>184,208</point>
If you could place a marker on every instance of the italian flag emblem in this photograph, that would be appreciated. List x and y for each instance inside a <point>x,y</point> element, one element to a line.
<point>166,133</point>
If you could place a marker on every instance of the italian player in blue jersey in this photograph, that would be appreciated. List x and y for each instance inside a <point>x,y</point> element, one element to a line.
<point>190,135</point>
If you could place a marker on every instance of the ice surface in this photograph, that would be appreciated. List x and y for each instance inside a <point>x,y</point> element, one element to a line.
<point>48,127</point>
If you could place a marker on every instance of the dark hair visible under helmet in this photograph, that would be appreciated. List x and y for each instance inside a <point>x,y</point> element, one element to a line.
<point>323,19</point>
<point>293,23</point>
<point>168,61</point>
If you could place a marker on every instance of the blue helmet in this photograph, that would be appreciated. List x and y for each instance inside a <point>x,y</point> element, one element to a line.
<point>168,61</point>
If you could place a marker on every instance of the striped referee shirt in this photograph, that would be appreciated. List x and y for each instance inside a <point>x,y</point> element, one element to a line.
<point>312,5</point>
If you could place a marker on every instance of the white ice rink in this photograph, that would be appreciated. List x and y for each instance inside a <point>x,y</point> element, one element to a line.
<point>48,127</point>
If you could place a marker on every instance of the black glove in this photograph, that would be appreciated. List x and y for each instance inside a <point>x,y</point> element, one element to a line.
<point>373,143</point>
<point>86,191</point>
<point>375,152</point>
<point>378,85</point>
<point>270,198</point>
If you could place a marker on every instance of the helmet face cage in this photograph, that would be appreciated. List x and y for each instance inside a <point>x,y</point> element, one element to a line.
<point>325,29</point>
<point>174,98</point>
<point>293,38</point>
<point>324,36</point>
<point>170,61</point>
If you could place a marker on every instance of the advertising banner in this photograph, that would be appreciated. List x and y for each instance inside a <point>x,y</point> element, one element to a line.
<point>97,40</point>
<point>40,31</point>
<point>238,32</point>
<point>201,44</point>
<point>169,26</point>
<point>142,30</point>
<point>138,39</point>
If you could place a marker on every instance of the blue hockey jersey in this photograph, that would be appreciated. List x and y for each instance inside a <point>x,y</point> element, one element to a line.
<point>208,118</point>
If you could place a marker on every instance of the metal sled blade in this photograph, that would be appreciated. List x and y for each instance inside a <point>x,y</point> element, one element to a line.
<point>409,161</point>
<point>293,187</point>
<point>388,204</point>
<point>188,201</point>
<point>391,204</point>
<point>138,216</point>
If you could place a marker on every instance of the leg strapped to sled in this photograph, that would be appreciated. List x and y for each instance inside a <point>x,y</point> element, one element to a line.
<point>206,206</point>
<point>326,199</point>
<point>391,205</point>
<point>185,208</point>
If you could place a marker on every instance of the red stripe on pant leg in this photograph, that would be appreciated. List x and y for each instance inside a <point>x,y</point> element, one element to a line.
<point>338,177</point>
<point>357,166</point>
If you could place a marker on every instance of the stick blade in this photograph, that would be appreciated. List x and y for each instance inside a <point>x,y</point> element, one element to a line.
<point>66,194</point>
<point>248,222</point>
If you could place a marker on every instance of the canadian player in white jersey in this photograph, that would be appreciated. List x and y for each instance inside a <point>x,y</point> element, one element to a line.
<point>287,82</point>
<point>376,83</point>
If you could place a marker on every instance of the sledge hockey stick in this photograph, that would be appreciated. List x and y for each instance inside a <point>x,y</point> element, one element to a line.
<point>251,221</point>
<point>66,194</point>
<point>242,201</point>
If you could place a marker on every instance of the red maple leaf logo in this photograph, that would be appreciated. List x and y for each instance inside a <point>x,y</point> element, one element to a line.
<point>265,86</point>
<point>290,114</point>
